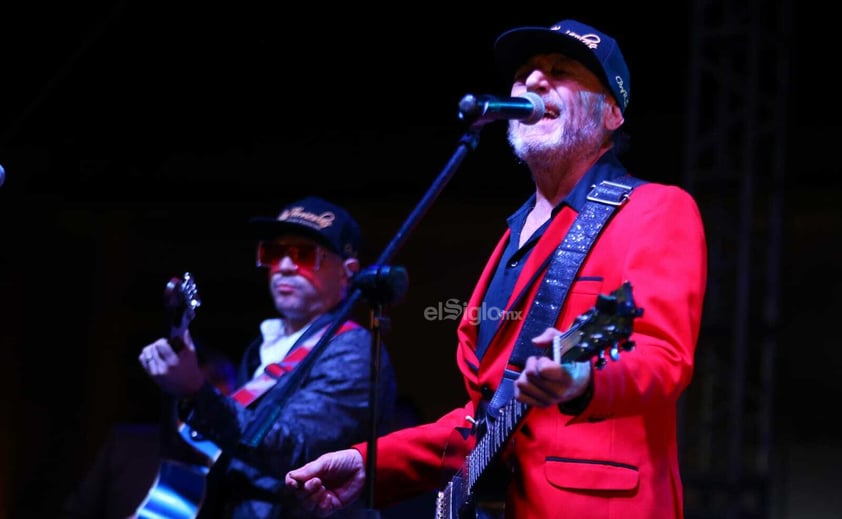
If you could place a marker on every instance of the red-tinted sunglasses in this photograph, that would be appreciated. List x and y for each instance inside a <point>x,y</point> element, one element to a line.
<point>304,255</point>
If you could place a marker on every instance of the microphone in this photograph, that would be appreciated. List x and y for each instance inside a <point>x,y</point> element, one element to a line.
<point>486,108</point>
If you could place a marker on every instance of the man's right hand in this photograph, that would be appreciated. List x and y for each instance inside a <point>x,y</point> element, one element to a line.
<point>329,483</point>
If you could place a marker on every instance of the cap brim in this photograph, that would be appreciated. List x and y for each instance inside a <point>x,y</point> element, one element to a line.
<point>514,47</point>
<point>265,228</point>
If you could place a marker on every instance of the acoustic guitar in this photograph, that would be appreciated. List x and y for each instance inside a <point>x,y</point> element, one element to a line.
<point>179,488</point>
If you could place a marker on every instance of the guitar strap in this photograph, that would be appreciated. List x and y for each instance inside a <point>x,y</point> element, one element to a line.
<point>602,202</point>
<point>256,387</point>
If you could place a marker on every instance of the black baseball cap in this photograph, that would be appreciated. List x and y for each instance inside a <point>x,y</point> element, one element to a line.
<point>315,218</point>
<point>594,49</point>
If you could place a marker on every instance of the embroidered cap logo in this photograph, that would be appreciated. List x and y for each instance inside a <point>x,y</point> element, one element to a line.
<point>299,215</point>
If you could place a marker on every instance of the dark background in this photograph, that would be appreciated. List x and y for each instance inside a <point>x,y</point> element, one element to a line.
<point>138,138</point>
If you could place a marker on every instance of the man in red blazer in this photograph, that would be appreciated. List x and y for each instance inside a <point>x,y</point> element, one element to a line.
<point>596,441</point>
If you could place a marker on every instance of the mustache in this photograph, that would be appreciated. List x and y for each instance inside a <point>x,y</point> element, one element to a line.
<point>286,281</point>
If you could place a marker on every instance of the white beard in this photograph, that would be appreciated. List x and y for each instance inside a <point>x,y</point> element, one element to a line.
<point>574,138</point>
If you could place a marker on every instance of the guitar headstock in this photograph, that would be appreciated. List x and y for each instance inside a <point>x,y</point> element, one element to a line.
<point>606,327</point>
<point>181,299</point>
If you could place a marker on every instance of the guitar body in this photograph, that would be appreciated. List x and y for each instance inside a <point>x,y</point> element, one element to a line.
<point>460,500</point>
<point>180,486</point>
<point>477,489</point>
<point>177,493</point>
<point>454,501</point>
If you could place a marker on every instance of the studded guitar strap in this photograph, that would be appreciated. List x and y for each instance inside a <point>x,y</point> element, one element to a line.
<point>603,201</point>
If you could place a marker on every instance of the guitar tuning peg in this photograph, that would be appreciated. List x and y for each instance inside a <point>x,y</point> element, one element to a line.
<point>628,345</point>
<point>614,353</point>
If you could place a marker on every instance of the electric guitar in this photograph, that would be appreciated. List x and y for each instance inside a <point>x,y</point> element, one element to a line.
<point>606,327</point>
<point>179,488</point>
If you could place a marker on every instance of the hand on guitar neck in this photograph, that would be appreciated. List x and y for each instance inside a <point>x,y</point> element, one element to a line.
<point>172,362</point>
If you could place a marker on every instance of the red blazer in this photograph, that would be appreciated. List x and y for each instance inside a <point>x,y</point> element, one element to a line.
<point>618,458</point>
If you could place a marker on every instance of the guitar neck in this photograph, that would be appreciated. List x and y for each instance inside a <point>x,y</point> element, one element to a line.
<point>488,448</point>
<point>176,338</point>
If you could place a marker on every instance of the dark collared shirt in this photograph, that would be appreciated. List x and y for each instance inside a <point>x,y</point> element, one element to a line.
<point>501,287</point>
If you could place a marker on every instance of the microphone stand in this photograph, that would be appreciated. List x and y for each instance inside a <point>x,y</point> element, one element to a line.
<point>380,285</point>
<point>263,422</point>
